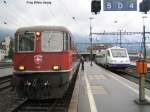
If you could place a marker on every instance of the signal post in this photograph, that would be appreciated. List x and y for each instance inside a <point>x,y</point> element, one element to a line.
<point>141,68</point>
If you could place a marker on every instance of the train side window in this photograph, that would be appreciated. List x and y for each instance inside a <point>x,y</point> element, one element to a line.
<point>65,47</point>
<point>66,42</point>
<point>103,55</point>
<point>108,53</point>
<point>70,42</point>
<point>16,39</point>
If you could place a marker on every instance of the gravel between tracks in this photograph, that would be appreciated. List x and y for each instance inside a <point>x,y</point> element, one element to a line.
<point>7,98</point>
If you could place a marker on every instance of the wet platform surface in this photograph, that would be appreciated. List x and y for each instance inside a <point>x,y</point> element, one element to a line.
<point>99,90</point>
<point>6,72</point>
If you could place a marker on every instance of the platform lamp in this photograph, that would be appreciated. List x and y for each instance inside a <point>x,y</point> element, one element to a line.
<point>91,50</point>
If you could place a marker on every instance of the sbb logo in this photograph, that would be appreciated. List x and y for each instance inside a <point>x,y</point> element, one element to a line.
<point>38,59</point>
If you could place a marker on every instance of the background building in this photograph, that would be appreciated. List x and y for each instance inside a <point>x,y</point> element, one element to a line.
<point>5,47</point>
<point>2,54</point>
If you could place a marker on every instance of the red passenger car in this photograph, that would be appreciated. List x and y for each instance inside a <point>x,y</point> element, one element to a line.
<point>44,61</point>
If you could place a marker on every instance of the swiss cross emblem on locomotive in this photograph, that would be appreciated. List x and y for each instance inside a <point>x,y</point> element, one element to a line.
<point>38,59</point>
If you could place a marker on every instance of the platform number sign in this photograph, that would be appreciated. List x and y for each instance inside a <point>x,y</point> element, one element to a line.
<point>120,5</point>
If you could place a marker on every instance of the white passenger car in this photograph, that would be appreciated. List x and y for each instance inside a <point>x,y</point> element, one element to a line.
<point>114,57</point>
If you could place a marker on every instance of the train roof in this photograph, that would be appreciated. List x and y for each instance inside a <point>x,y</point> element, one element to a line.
<point>43,28</point>
<point>116,47</point>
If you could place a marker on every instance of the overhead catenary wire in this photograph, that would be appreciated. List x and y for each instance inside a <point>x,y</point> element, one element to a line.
<point>115,20</point>
<point>12,14</point>
<point>67,10</point>
<point>5,21</point>
<point>74,19</point>
<point>127,23</point>
<point>11,6</point>
<point>22,19</point>
<point>51,14</point>
<point>21,16</point>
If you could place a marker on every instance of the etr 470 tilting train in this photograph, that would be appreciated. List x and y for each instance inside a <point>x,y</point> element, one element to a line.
<point>114,57</point>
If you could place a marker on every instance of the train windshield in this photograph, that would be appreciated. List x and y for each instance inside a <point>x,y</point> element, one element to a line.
<point>118,52</point>
<point>25,42</point>
<point>53,41</point>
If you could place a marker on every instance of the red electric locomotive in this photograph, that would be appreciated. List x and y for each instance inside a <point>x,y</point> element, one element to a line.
<point>44,61</point>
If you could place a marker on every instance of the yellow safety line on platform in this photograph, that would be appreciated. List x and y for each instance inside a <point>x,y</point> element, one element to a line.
<point>90,95</point>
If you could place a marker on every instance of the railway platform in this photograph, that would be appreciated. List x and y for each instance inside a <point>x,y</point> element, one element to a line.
<point>99,90</point>
<point>6,72</point>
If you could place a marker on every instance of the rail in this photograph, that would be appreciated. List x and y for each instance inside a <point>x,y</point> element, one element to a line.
<point>52,105</point>
<point>5,82</point>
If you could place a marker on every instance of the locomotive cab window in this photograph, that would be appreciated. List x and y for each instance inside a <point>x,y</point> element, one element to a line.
<point>99,56</point>
<point>54,41</point>
<point>119,52</point>
<point>25,42</point>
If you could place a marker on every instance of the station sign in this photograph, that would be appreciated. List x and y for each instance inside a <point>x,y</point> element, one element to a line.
<point>120,5</point>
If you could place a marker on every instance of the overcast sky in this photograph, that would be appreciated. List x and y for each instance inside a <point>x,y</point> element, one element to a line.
<point>74,14</point>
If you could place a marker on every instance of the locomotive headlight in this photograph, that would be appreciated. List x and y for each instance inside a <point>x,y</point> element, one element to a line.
<point>38,34</point>
<point>21,68</point>
<point>56,67</point>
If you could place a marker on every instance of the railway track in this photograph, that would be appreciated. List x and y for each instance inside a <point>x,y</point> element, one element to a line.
<point>53,105</point>
<point>36,105</point>
<point>131,70</point>
<point>5,82</point>
<point>5,65</point>
<point>130,74</point>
